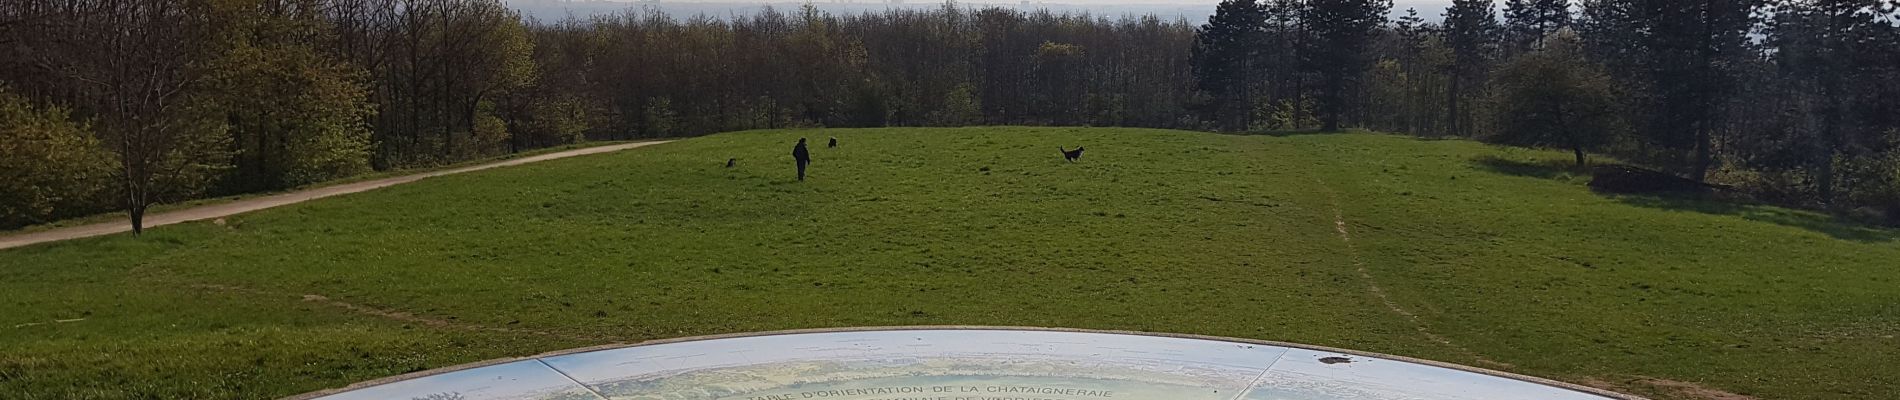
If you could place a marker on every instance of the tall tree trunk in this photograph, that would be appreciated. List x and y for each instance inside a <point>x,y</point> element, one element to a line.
<point>137,190</point>
<point>1333,101</point>
<point>1704,157</point>
<point>1330,115</point>
<point>268,174</point>
<point>1705,94</point>
<point>1570,134</point>
<point>1451,103</point>
<point>134,207</point>
<point>138,219</point>
<point>1824,160</point>
<point>1246,93</point>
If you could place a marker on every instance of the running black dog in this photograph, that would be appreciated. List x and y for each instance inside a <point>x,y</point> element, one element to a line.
<point>834,143</point>
<point>1071,155</point>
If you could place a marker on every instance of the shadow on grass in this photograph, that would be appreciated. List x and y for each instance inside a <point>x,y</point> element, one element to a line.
<point>1317,132</point>
<point>1714,203</point>
<point>1285,132</point>
<point>1813,221</point>
<point>1348,131</point>
<point>1545,169</point>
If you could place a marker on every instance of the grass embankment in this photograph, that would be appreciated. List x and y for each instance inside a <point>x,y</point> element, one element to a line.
<point>120,215</point>
<point>1447,250</point>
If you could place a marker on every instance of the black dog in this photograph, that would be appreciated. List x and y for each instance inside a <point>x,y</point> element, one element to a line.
<point>731,161</point>
<point>834,143</point>
<point>1071,155</point>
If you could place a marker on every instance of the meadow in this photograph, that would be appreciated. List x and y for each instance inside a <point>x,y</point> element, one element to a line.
<point>1447,250</point>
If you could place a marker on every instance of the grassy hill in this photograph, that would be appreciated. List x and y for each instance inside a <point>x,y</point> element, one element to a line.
<point>1446,250</point>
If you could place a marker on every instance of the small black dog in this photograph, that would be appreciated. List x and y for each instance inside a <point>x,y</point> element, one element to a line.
<point>731,161</point>
<point>834,143</point>
<point>1071,155</point>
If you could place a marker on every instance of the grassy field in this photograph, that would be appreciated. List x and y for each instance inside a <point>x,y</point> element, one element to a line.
<point>1446,250</point>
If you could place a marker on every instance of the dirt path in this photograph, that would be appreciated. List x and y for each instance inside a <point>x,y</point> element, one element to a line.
<point>1372,285</point>
<point>401,316</point>
<point>248,205</point>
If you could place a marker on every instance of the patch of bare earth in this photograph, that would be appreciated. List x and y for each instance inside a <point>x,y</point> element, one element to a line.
<point>397,315</point>
<point>1687,390</point>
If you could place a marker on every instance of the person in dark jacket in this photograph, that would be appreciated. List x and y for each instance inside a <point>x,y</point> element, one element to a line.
<point>803,156</point>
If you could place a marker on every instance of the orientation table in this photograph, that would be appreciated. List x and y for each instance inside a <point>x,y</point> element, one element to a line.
<point>962,363</point>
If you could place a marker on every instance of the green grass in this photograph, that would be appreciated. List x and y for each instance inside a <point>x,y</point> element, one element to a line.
<point>1502,253</point>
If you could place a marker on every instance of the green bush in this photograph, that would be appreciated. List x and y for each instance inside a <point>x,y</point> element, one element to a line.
<point>54,166</point>
<point>1873,184</point>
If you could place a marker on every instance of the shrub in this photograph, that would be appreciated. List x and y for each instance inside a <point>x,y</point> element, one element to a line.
<point>54,166</point>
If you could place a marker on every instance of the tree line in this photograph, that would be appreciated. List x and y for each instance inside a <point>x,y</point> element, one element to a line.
<point>1794,101</point>
<point>122,104</point>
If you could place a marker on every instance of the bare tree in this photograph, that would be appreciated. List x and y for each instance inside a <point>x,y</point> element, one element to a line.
<point>127,64</point>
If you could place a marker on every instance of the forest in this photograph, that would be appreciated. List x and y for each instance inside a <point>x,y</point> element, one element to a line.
<point>118,105</point>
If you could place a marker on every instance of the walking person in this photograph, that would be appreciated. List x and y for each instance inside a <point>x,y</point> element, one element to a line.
<point>803,156</point>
